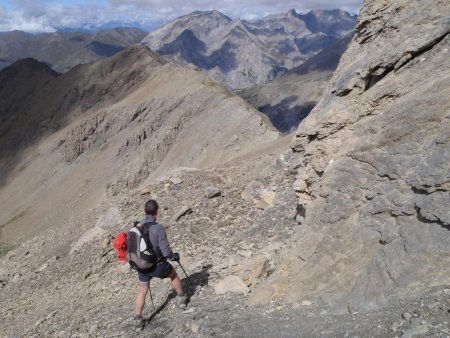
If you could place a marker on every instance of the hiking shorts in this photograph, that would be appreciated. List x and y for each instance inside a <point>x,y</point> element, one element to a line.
<point>162,270</point>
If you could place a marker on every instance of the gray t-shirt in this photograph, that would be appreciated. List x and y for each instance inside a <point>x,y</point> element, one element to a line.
<point>158,238</point>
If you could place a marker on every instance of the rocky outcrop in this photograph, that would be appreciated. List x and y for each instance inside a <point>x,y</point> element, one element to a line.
<point>372,163</point>
<point>243,53</point>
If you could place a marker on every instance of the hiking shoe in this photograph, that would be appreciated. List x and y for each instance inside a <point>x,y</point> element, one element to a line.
<point>181,302</point>
<point>138,323</point>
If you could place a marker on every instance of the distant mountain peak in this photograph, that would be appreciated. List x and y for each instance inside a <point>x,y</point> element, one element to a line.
<point>29,64</point>
<point>238,22</point>
<point>207,14</point>
<point>244,53</point>
<point>334,22</point>
<point>64,50</point>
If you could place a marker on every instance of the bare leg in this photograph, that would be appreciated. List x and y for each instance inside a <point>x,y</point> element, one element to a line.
<point>140,298</point>
<point>176,282</point>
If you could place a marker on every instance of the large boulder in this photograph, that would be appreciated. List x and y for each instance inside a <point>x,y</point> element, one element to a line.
<point>232,284</point>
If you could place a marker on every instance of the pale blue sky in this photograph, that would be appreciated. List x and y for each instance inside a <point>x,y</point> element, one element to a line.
<point>48,15</point>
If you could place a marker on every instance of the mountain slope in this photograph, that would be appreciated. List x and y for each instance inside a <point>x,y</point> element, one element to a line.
<point>54,105</point>
<point>288,99</point>
<point>352,218</point>
<point>204,26</point>
<point>243,53</point>
<point>337,23</point>
<point>11,82</point>
<point>65,50</point>
<point>372,162</point>
<point>141,116</point>
<point>117,130</point>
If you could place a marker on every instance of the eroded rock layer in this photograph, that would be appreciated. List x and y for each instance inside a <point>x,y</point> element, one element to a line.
<point>372,163</point>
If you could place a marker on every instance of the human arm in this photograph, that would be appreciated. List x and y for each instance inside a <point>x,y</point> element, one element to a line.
<point>164,245</point>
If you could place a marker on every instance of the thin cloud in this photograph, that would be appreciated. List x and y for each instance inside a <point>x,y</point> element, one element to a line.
<point>18,20</point>
<point>236,8</point>
<point>47,16</point>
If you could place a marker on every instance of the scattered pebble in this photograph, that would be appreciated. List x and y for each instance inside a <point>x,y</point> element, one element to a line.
<point>195,328</point>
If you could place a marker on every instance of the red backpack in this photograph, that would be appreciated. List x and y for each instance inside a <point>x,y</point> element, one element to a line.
<point>120,243</point>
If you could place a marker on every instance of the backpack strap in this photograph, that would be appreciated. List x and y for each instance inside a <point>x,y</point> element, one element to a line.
<point>145,230</point>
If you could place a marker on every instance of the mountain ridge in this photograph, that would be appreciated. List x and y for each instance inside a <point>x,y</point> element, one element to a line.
<point>65,50</point>
<point>83,111</point>
<point>268,47</point>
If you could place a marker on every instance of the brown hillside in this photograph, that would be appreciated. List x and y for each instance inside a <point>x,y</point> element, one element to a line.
<point>115,123</point>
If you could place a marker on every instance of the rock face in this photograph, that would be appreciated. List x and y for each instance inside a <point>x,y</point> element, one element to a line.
<point>243,53</point>
<point>65,50</point>
<point>372,163</point>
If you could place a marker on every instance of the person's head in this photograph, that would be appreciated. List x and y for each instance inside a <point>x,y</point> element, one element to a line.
<point>151,207</point>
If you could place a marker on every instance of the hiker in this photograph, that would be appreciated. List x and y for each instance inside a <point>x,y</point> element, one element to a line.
<point>162,269</point>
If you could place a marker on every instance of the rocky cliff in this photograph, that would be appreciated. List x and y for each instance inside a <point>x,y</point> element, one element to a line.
<point>372,162</point>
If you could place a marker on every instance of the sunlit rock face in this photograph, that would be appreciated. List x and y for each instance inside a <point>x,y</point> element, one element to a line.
<point>372,162</point>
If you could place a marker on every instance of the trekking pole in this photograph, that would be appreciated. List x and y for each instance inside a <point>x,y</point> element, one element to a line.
<point>151,296</point>
<point>181,266</point>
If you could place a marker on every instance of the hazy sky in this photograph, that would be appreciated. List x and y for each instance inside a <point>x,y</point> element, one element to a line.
<point>45,16</point>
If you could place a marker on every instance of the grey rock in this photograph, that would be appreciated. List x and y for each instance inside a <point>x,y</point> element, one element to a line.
<point>16,278</point>
<point>433,305</point>
<point>407,316</point>
<point>252,191</point>
<point>212,192</point>
<point>232,284</point>
<point>416,331</point>
<point>176,180</point>
<point>416,321</point>
<point>182,212</point>
<point>280,215</point>
<point>372,162</point>
<point>433,207</point>
<point>93,330</point>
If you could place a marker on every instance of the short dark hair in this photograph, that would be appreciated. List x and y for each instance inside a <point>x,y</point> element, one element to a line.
<point>151,207</point>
